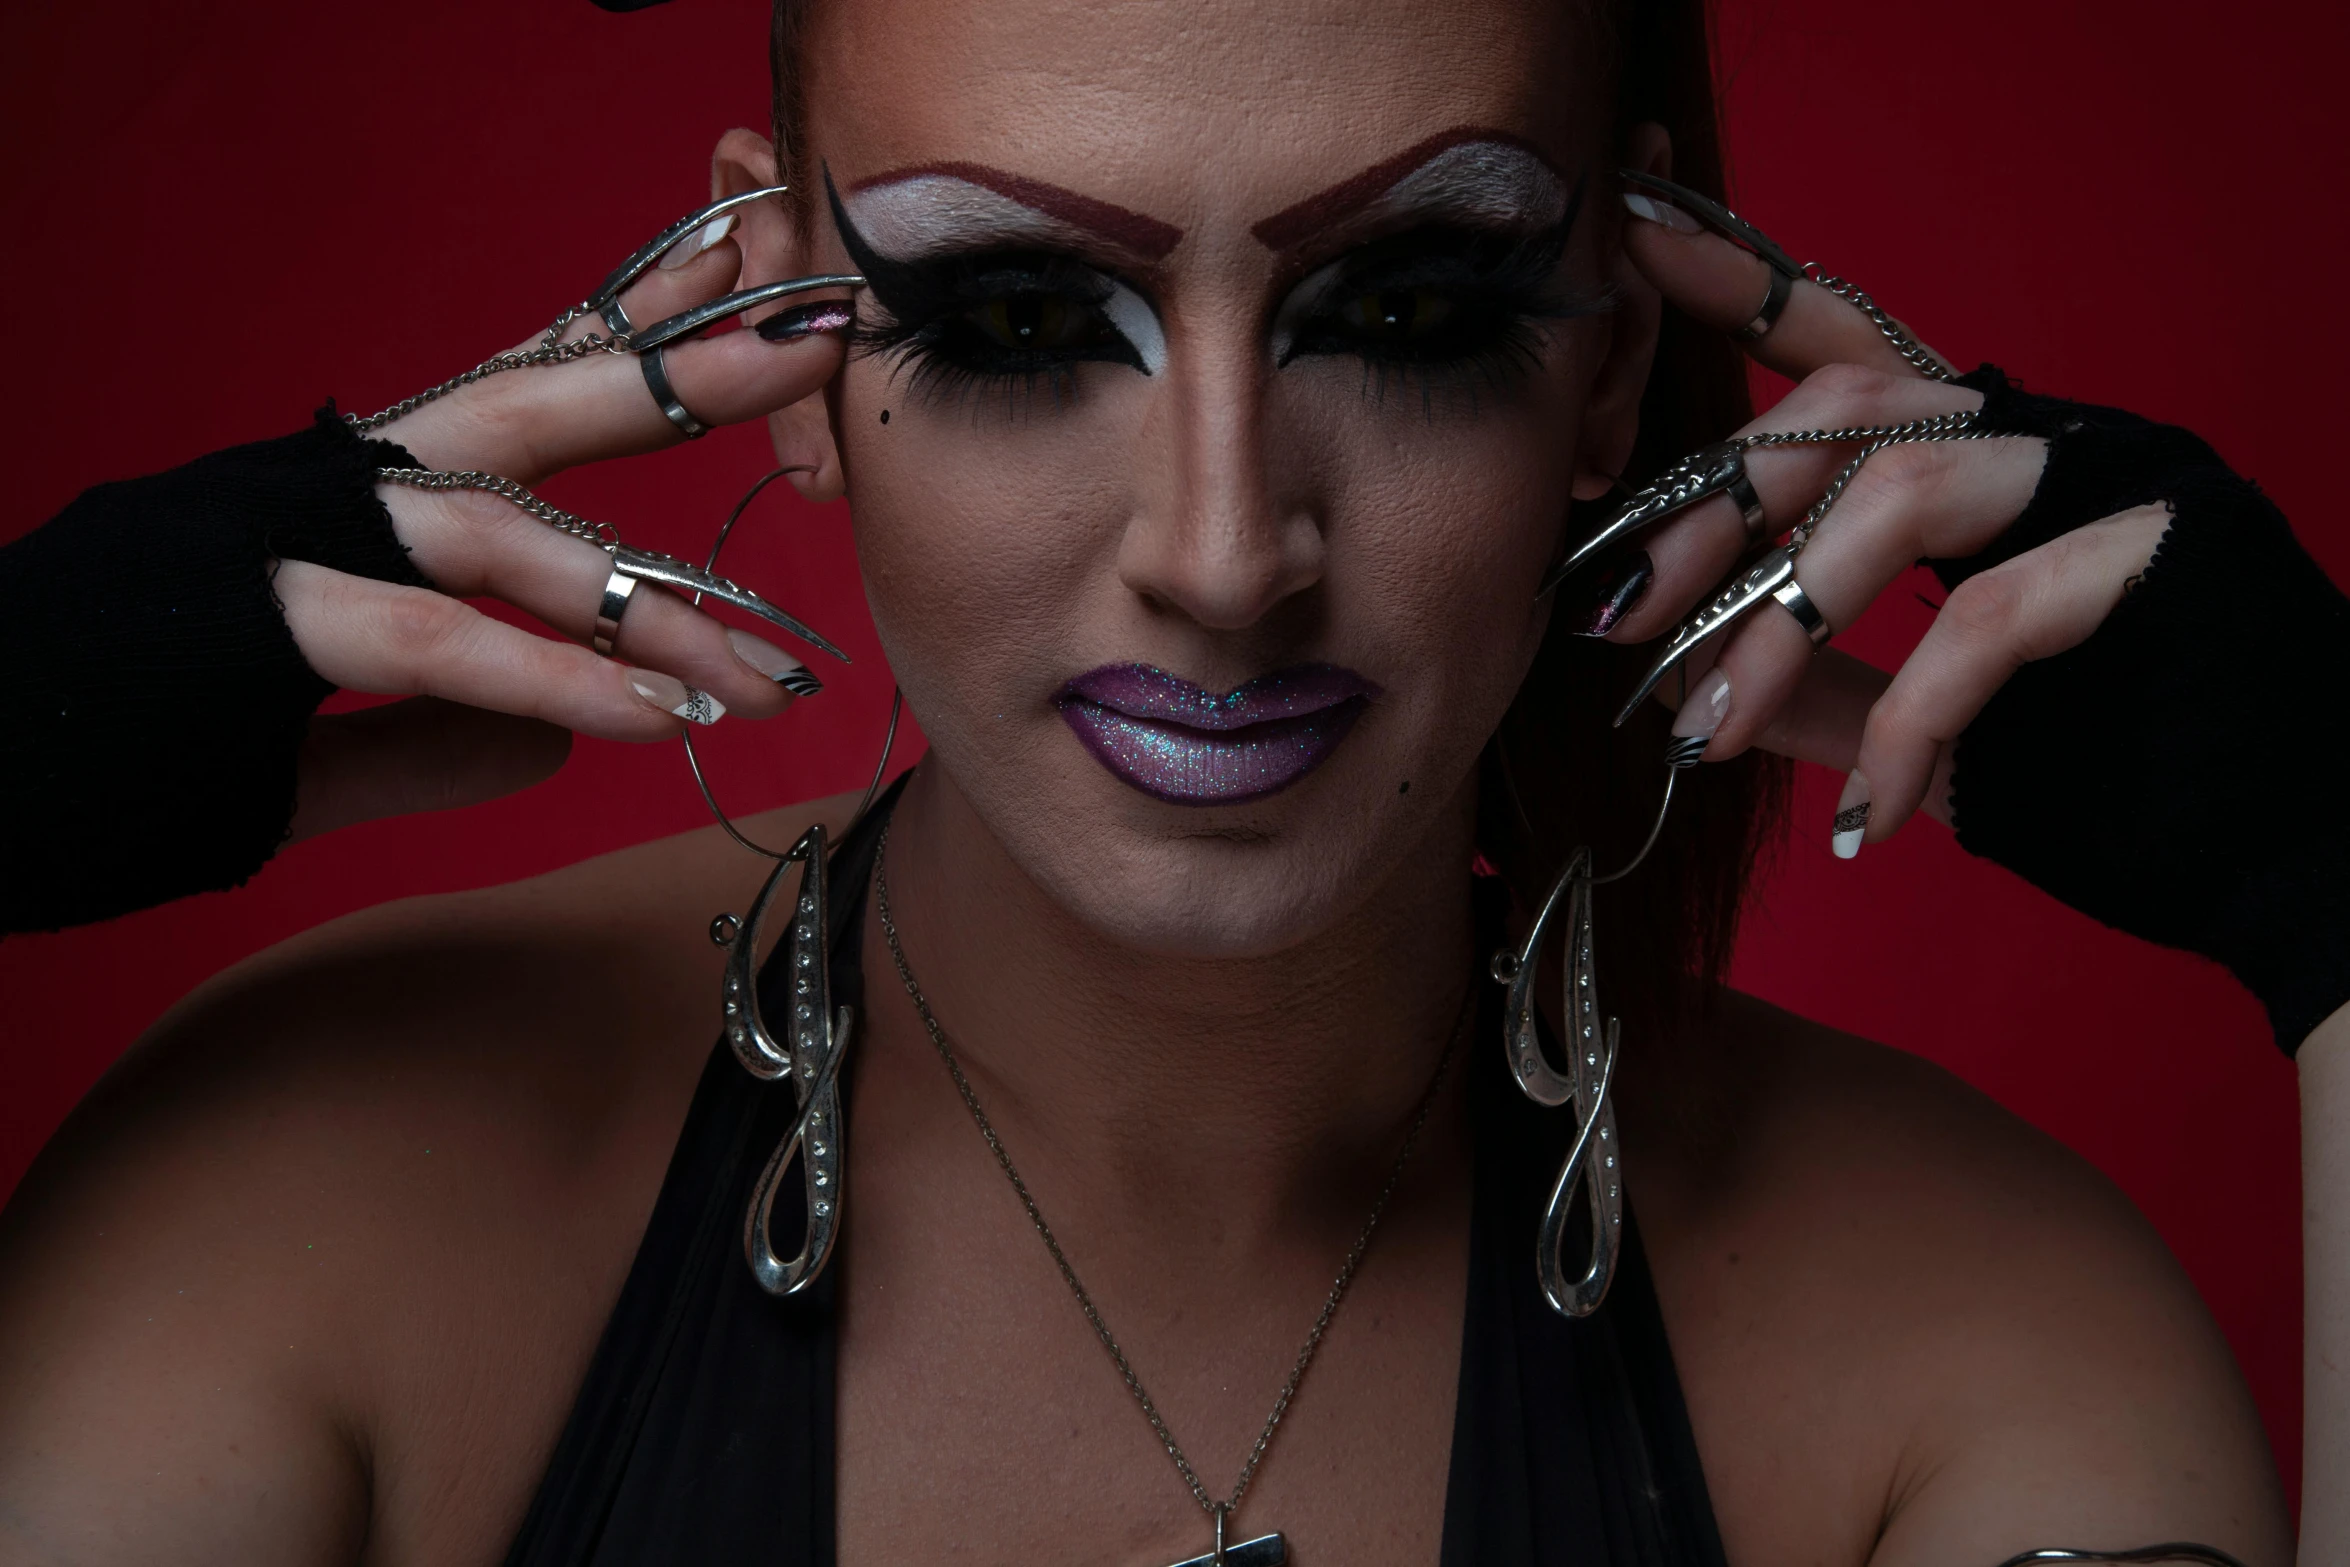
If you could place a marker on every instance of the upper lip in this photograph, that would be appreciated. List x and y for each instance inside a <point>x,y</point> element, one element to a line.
<point>1147,692</point>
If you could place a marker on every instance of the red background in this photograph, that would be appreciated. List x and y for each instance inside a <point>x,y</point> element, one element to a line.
<point>217,216</point>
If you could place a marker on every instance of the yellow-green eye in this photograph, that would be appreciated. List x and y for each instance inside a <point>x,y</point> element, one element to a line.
<point>1034,321</point>
<point>1396,314</point>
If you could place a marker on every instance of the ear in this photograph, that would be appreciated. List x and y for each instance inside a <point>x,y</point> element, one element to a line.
<point>1611,419</point>
<point>773,248</point>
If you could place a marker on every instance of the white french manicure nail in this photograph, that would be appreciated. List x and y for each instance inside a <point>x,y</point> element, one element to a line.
<point>698,241</point>
<point>1661,212</point>
<point>1707,705</point>
<point>773,662</point>
<point>674,697</point>
<point>1852,818</point>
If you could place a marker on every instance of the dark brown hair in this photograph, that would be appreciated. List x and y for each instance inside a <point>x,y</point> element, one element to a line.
<point>1555,775</point>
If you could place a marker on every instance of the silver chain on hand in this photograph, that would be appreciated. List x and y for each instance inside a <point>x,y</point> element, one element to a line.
<point>602,533</point>
<point>1961,426</point>
<point>1093,1315</point>
<point>1921,358</point>
<point>548,352</point>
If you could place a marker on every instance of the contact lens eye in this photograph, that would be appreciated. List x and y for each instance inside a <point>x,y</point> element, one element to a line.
<point>1396,315</point>
<point>1037,322</point>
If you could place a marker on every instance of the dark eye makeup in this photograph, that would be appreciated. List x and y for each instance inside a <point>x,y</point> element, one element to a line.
<point>964,321</point>
<point>1437,304</point>
<point>1440,305</point>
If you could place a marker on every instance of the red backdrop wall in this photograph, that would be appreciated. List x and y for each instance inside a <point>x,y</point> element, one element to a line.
<point>217,216</point>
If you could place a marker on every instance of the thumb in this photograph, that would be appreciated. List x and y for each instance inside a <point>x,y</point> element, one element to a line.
<point>423,754</point>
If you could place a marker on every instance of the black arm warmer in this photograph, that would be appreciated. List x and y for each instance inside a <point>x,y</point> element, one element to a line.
<point>2178,775</point>
<point>155,702</point>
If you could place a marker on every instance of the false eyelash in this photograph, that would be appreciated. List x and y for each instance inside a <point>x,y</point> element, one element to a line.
<point>922,311</point>
<point>918,306</point>
<point>1513,354</point>
<point>1509,282</point>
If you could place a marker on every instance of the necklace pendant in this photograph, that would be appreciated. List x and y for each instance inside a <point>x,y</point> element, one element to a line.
<point>1266,1550</point>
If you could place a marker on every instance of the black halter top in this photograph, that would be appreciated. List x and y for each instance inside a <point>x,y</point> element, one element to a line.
<point>704,1431</point>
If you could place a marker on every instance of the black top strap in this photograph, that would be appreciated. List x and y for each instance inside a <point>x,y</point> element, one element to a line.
<point>704,1431</point>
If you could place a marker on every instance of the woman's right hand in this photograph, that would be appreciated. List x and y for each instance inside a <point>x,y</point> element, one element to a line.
<point>495,705</point>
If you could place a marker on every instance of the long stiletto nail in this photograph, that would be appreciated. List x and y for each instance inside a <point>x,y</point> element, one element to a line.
<point>1852,818</point>
<point>773,662</point>
<point>825,315</point>
<point>1704,709</point>
<point>1613,592</point>
<point>698,241</point>
<point>673,696</point>
<point>1663,213</point>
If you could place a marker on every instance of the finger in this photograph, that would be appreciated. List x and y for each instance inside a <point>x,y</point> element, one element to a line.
<point>473,544</point>
<point>423,754</point>
<point>533,421</point>
<point>2039,604</point>
<point>381,637</point>
<point>1820,721</point>
<point>1944,498</point>
<point>1723,285</point>
<point>1692,552</point>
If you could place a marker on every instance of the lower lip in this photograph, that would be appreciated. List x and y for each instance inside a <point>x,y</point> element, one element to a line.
<point>1187,766</point>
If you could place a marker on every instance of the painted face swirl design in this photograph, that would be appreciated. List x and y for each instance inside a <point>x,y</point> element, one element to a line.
<point>1187,745</point>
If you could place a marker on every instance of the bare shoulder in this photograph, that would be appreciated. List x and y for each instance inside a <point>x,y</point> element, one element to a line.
<point>1914,1329</point>
<point>323,1259</point>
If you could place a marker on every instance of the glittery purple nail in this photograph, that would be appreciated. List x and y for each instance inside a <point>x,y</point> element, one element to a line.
<point>789,326</point>
<point>1613,592</point>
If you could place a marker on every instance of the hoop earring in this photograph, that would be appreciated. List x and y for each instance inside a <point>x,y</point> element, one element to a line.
<point>1593,1167</point>
<point>817,1034</point>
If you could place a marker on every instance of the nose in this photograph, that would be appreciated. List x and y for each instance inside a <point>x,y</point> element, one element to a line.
<point>1221,531</point>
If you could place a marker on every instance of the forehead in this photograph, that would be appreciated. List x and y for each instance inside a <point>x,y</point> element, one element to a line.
<point>1188,111</point>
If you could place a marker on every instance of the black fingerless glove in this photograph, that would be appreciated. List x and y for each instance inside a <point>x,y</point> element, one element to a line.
<point>2178,775</point>
<point>155,702</point>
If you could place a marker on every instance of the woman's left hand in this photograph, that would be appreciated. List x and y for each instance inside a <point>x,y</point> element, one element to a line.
<point>1762,683</point>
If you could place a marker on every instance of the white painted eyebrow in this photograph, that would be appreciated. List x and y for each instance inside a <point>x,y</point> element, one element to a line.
<point>1480,182</point>
<point>911,218</point>
<point>908,219</point>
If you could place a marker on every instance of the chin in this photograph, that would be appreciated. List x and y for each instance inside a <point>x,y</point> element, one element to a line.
<point>1248,880</point>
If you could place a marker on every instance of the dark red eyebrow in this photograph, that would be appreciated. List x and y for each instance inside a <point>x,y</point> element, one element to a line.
<point>1292,226</point>
<point>1146,236</point>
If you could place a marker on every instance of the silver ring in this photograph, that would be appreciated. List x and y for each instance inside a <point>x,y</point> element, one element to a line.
<point>1740,489</point>
<point>1798,603</point>
<point>616,319</point>
<point>657,382</point>
<point>618,589</point>
<point>1766,314</point>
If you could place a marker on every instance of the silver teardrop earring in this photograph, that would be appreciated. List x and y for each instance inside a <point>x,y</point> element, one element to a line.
<point>1594,1163</point>
<point>815,1036</point>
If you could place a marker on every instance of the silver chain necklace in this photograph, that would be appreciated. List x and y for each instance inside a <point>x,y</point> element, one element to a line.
<point>1268,1550</point>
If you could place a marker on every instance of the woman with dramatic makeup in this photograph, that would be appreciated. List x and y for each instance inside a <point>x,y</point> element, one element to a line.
<point>1303,478</point>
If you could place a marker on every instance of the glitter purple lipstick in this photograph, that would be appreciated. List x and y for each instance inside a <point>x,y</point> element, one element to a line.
<point>1187,745</point>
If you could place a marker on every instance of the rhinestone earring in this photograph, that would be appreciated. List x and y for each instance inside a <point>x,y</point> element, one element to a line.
<point>814,1038</point>
<point>1593,1167</point>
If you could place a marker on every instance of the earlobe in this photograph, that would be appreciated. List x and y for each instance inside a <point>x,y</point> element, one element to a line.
<point>803,438</point>
<point>774,248</point>
<point>1612,415</point>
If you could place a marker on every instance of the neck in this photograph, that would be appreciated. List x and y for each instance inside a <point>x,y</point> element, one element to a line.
<point>1257,1090</point>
